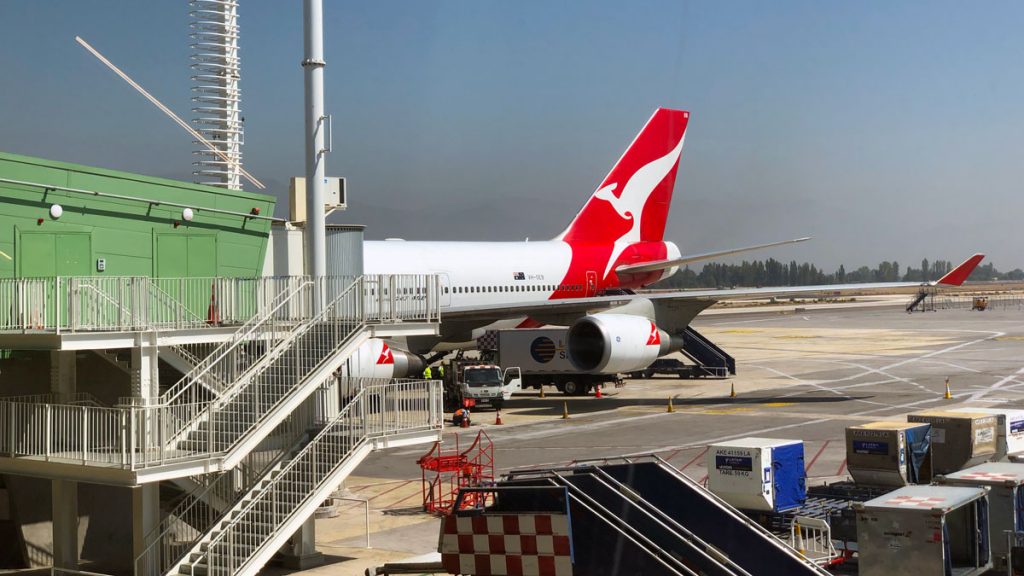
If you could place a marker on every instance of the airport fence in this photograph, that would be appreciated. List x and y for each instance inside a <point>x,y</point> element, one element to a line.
<point>967,301</point>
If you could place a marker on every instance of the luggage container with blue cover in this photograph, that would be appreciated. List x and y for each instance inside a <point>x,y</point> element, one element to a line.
<point>1006,498</point>
<point>959,439</point>
<point>924,531</point>
<point>761,474</point>
<point>889,453</point>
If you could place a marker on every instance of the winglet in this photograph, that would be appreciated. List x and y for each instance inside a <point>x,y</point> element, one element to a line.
<point>957,275</point>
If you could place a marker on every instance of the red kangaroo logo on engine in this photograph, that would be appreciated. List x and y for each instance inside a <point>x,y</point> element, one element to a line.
<point>655,338</point>
<point>386,357</point>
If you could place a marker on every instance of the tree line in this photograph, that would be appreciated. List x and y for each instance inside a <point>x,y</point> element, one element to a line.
<point>772,272</point>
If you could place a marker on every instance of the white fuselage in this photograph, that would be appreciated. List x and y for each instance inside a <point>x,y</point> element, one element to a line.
<point>478,273</point>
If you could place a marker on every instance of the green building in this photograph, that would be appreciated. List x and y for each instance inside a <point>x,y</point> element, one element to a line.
<point>61,219</point>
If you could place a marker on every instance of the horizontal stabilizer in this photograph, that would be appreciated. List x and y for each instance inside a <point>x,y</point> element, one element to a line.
<point>956,276</point>
<point>683,260</point>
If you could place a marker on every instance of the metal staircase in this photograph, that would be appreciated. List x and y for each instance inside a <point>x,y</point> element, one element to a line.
<point>226,405</point>
<point>185,358</point>
<point>118,358</point>
<point>279,503</point>
<point>211,496</point>
<point>258,432</point>
<point>266,393</point>
<point>217,529</point>
<point>707,355</point>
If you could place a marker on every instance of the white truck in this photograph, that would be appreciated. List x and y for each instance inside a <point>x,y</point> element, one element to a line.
<point>543,357</point>
<point>472,384</point>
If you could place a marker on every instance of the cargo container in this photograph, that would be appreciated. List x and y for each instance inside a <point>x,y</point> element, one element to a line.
<point>761,474</point>
<point>924,531</point>
<point>1009,431</point>
<point>889,453</point>
<point>959,439</point>
<point>543,356</point>
<point>1006,499</point>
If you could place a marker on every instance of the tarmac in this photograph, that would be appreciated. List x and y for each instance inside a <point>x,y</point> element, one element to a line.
<point>804,372</point>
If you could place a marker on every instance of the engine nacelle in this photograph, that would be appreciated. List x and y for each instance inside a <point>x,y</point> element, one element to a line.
<point>375,359</point>
<point>611,343</point>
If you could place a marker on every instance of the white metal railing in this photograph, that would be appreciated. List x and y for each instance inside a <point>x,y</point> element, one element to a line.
<point>242,352</point>
<point>203,507</point>
<point>314,471</point>
<point>186,426</point>
<point>65,432</point>
<point>193,355</point>
<point>131,303</point>
<point>285,363</point>
<point>286,367</point>
<point>812,538</point>
<point>78,398</point>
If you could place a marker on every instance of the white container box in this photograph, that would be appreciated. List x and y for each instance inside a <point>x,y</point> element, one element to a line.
<point>1010,429</point>
<point>763,474</point>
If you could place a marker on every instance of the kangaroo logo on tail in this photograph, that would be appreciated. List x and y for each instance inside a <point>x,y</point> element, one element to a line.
<point>639,210</point>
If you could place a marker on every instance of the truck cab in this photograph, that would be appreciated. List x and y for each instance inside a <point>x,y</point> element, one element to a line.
<point>483,384</point>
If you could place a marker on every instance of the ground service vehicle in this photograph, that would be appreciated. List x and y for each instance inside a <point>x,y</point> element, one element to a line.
<point>543,356</point>
<point>474,383</point>
<point>667,366</point>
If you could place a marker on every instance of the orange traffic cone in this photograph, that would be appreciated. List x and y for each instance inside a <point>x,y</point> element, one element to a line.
<point>464,423</point>
<point>597,391</point>
<point>212,313</point>
<point>497,418</point>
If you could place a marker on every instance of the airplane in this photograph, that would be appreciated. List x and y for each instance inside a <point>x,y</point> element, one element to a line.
<point>583,278</point>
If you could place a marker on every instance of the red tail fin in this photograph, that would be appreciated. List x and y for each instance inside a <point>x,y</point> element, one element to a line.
<point>632,202</point>
<point>956,276</point>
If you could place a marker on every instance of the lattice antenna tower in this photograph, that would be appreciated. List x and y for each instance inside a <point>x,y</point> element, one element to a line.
<point>215,93</point>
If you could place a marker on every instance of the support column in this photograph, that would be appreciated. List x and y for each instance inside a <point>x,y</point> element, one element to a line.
<point>145,388</point>
<point>65,523</point>
<point>64,492</point>
<point>303,554</point>
<point>145,516</point>
<point>145,366</point>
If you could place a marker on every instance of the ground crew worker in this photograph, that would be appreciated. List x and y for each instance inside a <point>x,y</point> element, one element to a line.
<point>460,415</point>
<point>426,373</point>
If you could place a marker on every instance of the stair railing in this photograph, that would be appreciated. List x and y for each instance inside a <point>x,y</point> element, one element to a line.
<point>204,506</point>
<point>305,349</point>
<point>309,472</point>
<point>260,333</point>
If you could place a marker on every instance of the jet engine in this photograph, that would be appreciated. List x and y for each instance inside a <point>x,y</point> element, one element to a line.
<point>375,359</point>
<point>610,343</point>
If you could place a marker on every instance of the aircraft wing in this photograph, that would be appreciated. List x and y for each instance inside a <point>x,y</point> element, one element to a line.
<point>690,258</point>
<point>685,303</point>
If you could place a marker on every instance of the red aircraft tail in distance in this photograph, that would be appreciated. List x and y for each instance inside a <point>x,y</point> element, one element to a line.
<point>956,276</point>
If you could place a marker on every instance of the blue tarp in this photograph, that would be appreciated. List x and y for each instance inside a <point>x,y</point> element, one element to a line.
<point>1018,504</point>
<point>789,478</point>
<point>947,552</point>
<point>918,445</point>
<point>983,550</point>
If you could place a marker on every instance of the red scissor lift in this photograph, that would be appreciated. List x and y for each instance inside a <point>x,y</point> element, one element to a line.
<point>445,472</point>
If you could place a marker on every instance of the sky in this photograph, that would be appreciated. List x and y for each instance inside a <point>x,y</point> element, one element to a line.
<point>885,130</point>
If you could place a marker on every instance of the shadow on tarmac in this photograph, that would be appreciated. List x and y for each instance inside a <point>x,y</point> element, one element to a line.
<point>553,404</point>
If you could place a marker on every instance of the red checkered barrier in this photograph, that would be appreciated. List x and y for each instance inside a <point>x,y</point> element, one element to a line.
<point>916,501</point>
<point>507,545</point>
